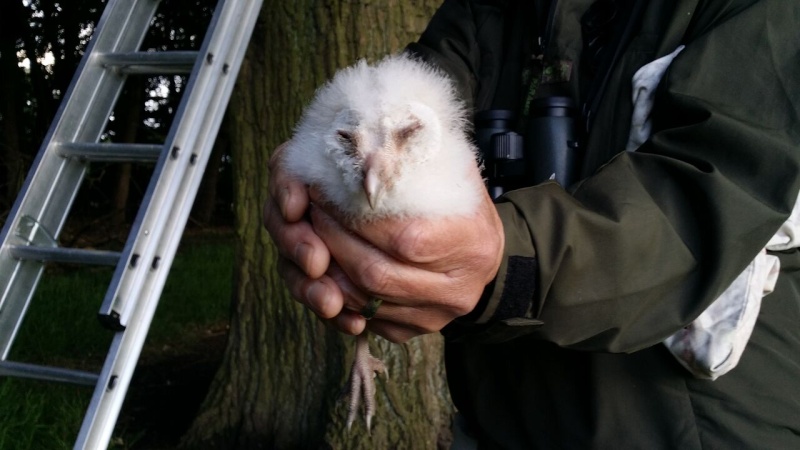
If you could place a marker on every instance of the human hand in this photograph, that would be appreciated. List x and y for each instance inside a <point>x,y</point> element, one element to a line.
<point>304,262</point>
<point>426,271</point>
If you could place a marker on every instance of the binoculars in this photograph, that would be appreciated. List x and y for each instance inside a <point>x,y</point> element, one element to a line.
<point>548,149</point>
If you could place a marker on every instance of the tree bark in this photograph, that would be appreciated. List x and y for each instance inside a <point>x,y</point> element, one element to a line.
<point>205,204</point>
<point>283,370</point>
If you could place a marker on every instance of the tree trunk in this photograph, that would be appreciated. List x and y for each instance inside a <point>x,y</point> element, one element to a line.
<point>283,370</point>
<point>12,91</point>
<point>205,204</point>
<point>11,161</point>
<point>128,115</point>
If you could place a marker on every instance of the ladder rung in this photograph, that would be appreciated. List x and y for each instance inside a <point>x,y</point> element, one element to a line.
<point>65,255</point>
<point>150,63</point>
<point>111,152</point>
<point>47,373</point>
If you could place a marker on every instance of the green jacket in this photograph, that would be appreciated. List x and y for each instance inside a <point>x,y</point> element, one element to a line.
<point>565,349</point>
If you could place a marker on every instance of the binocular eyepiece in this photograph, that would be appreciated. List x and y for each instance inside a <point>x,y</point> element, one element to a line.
<point>548,150</point>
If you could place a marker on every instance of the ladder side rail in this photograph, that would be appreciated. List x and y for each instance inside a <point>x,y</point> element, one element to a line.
<point>203,142</point>
<point>53,181</point>
<point>140,247</point>
<point>118,370</point>
<point>74,121</point>
<point>95,94</point>
<point>13,312</point>
<point>27,203</point>
<point>7,226</point>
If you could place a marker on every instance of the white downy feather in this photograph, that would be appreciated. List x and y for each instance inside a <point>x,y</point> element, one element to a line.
<point>372,101</point>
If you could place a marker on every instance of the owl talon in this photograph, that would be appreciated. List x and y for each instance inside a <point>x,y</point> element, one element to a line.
<point>362,382</point>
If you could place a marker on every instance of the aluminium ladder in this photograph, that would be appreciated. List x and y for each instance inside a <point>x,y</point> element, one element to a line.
<point>29,236</point>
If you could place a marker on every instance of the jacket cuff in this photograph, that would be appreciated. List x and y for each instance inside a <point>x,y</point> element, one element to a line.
<point>512,293</point>
<point>506,308</point>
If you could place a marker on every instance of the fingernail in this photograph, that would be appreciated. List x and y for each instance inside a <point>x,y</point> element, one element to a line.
<point>302,255</point>
<point>283,200</point>
<point>314,291</point>
<point>316,297</point>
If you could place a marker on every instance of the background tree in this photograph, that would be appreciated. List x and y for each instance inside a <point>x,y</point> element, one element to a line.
<point>41,43</point>
<point>50,38</point>
<point>283,370</point>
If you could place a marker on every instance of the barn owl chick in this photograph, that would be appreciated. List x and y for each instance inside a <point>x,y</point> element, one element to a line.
<point>386,140</point>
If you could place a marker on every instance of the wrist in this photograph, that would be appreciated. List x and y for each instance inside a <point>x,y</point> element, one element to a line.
<point>505,309</point>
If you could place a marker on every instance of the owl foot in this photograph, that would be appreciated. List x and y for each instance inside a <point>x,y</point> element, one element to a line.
<point>362,381</point>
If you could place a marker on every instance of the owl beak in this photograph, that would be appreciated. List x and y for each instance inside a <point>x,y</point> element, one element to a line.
<point>373,188</point>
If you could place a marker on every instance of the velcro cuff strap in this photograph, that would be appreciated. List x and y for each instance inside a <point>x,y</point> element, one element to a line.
<point>520,286</point>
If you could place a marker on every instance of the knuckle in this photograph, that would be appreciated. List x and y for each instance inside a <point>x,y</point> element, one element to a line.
<point>374,276</point>
<point>460,309</point>
<point>413,242</point>
<point>477,259</point>
<point>457,303</point>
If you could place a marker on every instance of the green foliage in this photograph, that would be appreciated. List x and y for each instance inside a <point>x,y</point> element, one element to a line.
<point>61,329</point>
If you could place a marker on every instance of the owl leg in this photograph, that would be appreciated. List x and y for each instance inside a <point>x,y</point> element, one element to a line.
<point>362,381</point>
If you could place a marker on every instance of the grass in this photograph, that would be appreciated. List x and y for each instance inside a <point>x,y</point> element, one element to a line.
<point>61,329</point>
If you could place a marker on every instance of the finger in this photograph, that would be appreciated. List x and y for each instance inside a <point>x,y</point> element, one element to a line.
<point>374,271</point>
<point>420,320</point>
<point>431,243</point>
<point>321,295</point>
<point>275,157</point>
<point>423,242</point>
<point>354,298</point>
<point>415,320</point>
<point>349,322</point>
<point>290,194</point>
<point>425,320</point>
<point>298,242</point>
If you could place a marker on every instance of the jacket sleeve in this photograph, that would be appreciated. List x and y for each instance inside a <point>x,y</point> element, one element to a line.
<point>640,248</point>
<point>462,39</point>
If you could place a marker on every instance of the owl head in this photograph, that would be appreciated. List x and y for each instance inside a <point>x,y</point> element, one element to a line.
<point>373,129</point>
